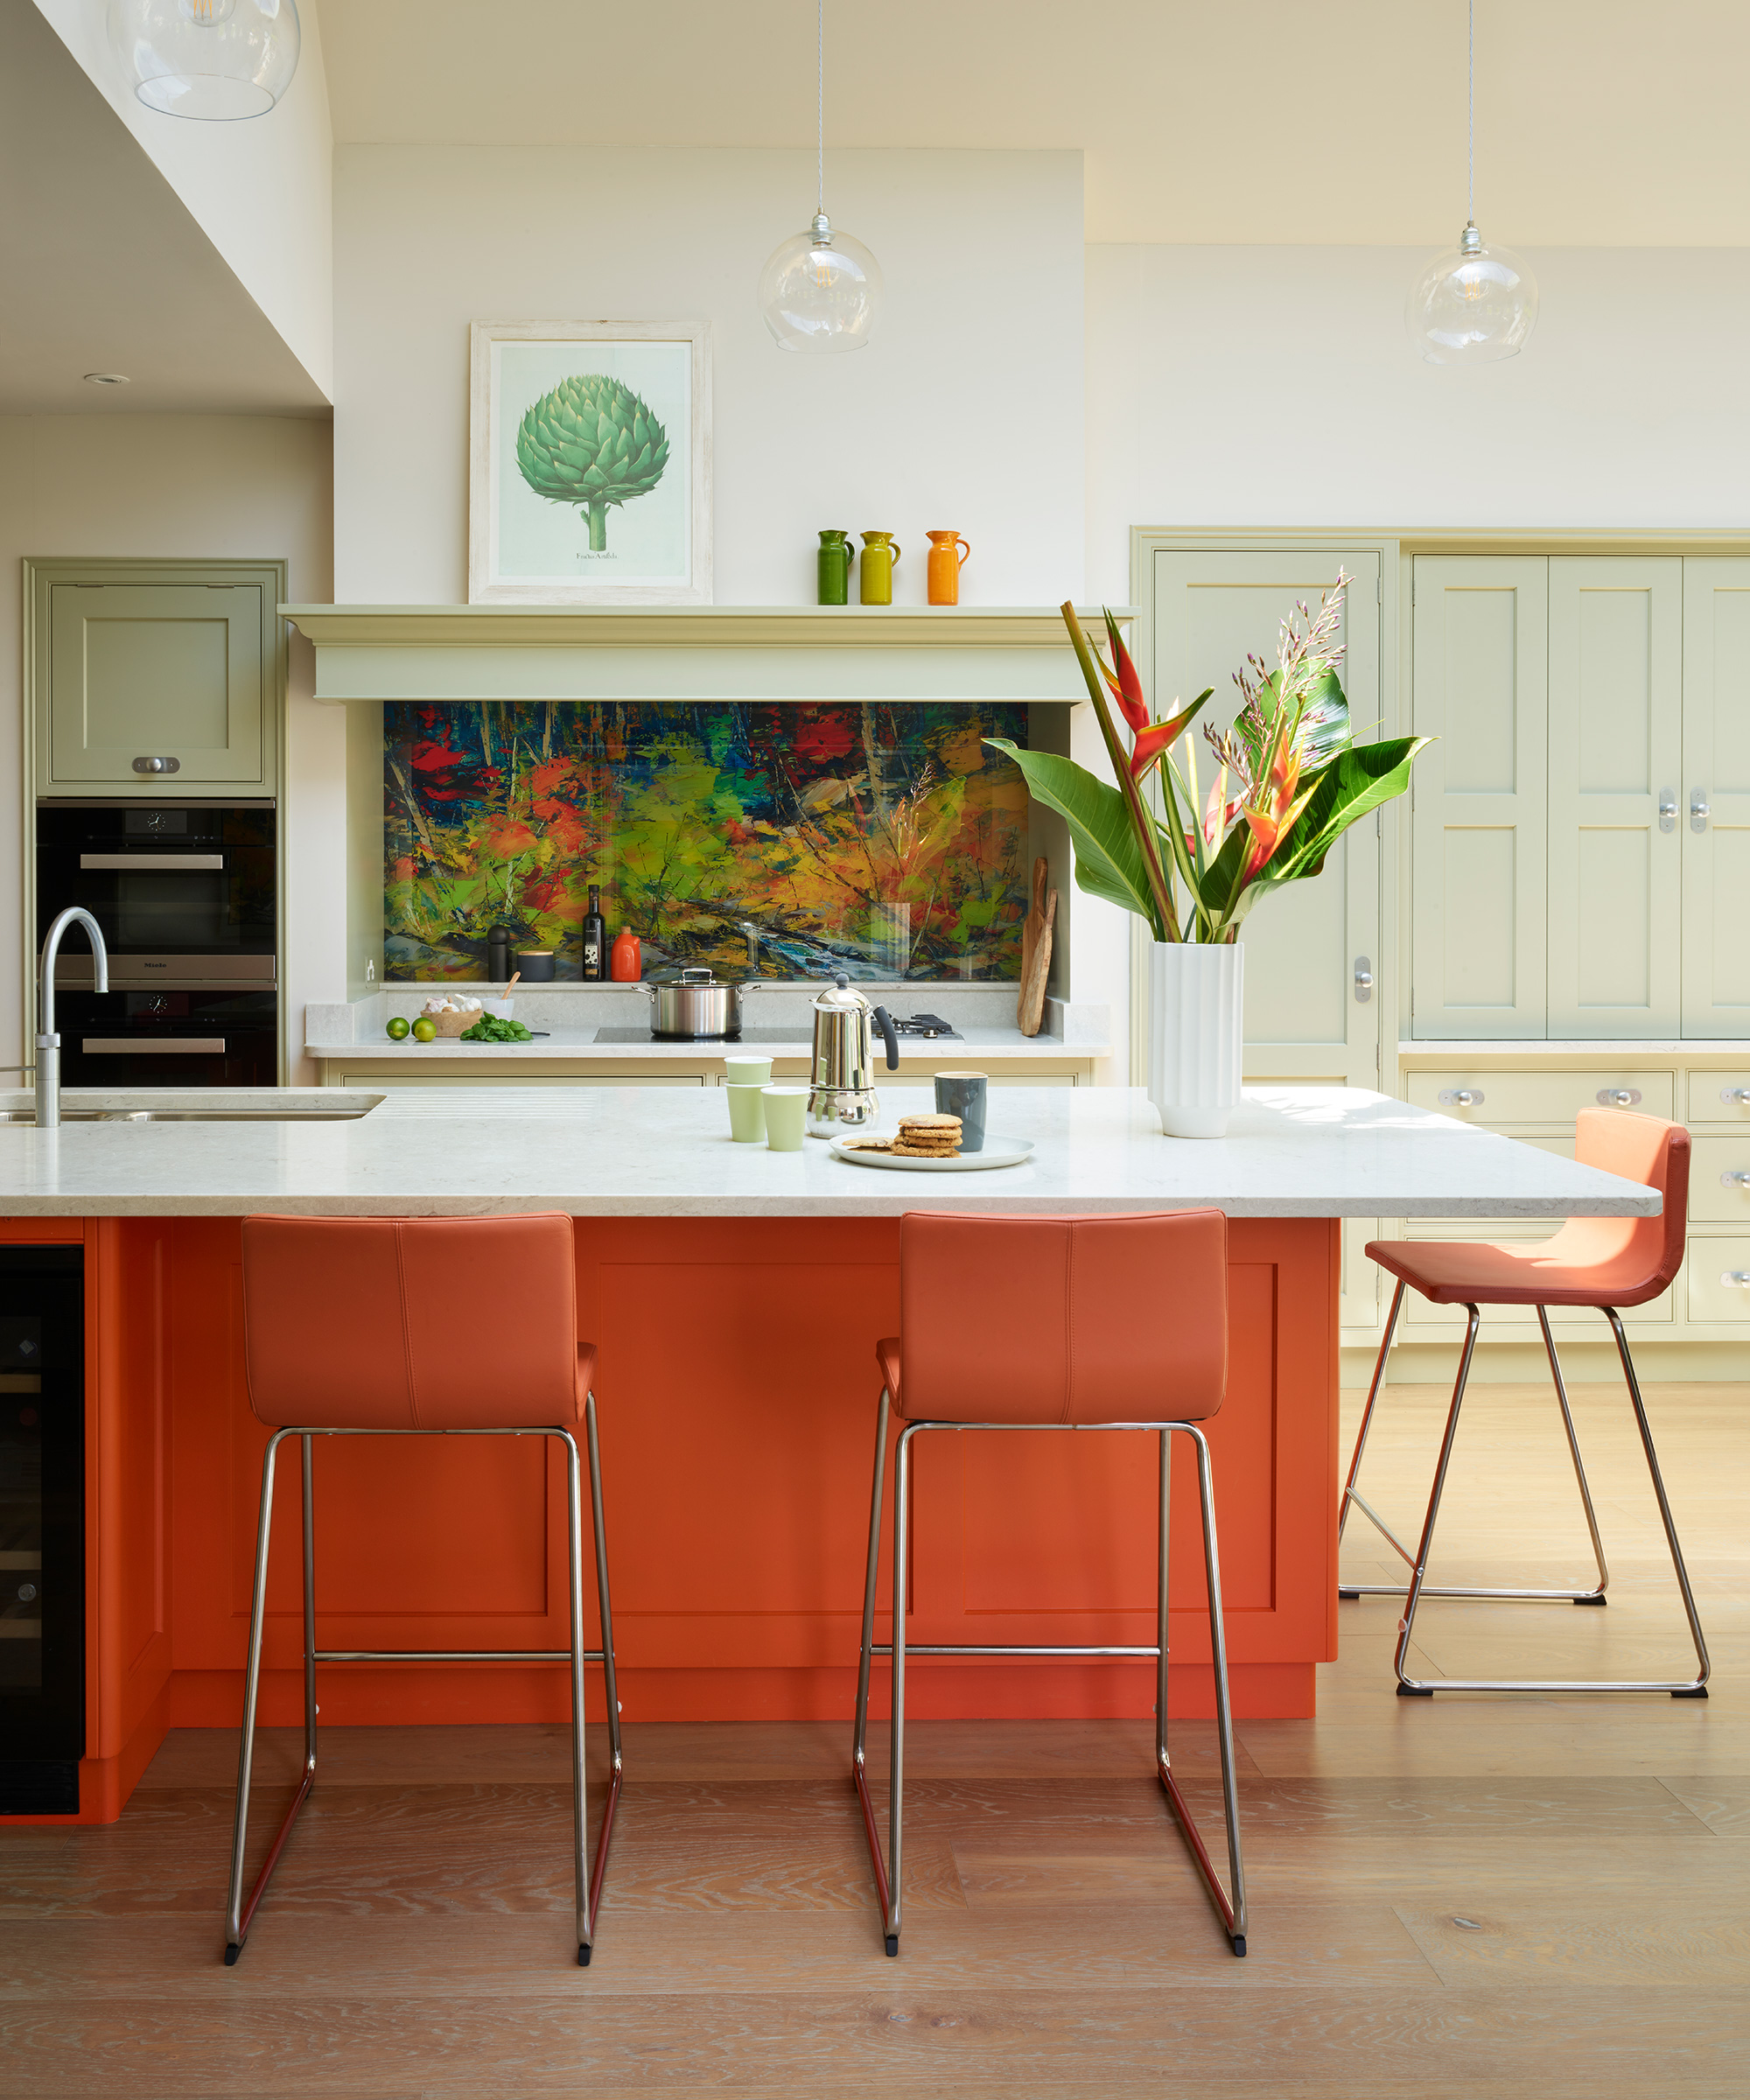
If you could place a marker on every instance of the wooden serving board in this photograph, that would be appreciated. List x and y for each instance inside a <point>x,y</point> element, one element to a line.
<point>1036,936</point>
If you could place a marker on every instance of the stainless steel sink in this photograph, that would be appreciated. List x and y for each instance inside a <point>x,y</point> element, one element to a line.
<point>194,1115</point>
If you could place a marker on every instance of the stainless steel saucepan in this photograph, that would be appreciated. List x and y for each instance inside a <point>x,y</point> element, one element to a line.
<point>696,1009</point>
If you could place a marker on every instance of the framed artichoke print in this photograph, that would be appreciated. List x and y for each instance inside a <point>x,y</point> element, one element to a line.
<point>589,463</point>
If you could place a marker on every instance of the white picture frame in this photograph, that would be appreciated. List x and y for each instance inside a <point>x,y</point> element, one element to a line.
<point>533,541</point>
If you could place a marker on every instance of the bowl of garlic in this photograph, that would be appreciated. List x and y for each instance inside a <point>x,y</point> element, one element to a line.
<point>451,1015</point>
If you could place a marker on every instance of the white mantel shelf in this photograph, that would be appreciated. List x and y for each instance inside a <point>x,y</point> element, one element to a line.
<point>694,653</point>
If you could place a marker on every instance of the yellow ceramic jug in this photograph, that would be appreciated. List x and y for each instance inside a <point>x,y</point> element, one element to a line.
<point>945,566</point>
<point>875,569</point>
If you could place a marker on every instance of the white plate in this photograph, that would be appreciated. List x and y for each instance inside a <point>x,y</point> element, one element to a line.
<point>999,1151</point>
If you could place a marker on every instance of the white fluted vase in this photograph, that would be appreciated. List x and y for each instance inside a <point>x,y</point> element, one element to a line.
<point>1196,1034</point>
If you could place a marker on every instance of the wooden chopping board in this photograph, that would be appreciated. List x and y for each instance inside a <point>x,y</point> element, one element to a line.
<point>1036,952</point>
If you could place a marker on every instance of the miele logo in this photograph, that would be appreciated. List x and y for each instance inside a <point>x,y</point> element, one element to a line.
<point>154,966</point>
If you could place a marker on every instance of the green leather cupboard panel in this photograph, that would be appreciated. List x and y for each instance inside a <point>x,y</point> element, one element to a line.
<point>155,668</point>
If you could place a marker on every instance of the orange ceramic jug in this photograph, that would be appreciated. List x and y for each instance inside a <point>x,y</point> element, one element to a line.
<point>945,566</point>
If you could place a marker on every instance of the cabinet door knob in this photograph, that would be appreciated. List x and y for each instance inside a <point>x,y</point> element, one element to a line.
<point>157,765</point>
<point>1735,1097</point>
<point>1461,1097</point>
<point>1699,811</point>
<point>1618,1097</point>
<point>1363,980</point>
<point>1731,1180</point>
<point>1667,809</point>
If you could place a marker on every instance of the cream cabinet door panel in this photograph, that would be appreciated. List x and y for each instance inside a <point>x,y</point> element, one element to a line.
<point>1716,855</point>
<point>1478,798</point>
<point>1212,610</point>
<point>1616,697</point>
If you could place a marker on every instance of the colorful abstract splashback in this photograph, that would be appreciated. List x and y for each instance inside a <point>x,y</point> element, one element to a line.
<point>881,840</point>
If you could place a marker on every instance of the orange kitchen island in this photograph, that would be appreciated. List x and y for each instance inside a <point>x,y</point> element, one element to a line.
<point>735,1296</point>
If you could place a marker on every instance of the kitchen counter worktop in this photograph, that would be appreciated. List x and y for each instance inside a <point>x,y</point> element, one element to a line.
<point>586,1043</point>
<point>605,1151</point>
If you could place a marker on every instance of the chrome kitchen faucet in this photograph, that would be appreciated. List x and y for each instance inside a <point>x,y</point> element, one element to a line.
<point>48,1043</point>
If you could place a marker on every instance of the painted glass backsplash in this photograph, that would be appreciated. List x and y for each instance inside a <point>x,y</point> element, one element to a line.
<point>881,840</point>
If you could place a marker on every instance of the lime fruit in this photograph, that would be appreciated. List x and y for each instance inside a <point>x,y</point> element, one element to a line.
<point>398,1028</point>
<point>423,1032</point>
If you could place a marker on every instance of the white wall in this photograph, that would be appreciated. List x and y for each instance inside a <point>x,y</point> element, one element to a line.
<point>261,189</point>
<point>964,410</point>
<point>233,486</point>
<point>1275,386</point>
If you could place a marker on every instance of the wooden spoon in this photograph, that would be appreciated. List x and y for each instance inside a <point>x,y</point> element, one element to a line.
<point>511,987</point>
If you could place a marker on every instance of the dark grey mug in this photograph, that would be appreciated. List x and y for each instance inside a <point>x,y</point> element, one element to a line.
<point>962,1094</point>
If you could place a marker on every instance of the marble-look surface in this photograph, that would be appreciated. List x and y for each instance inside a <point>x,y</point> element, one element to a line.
<point>989,1044</point>
<point>642,1153</point>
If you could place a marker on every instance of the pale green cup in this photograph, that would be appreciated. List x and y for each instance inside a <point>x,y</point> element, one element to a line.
<point>786,1115</point>
<point>748,1071</point>
<point>747,1114</point>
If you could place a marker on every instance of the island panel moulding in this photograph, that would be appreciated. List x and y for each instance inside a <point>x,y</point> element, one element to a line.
<point>784,842</point>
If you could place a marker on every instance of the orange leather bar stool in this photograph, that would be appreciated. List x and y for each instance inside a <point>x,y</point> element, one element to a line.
<point>348,1325</point>
<point>1052,1324</point>
<point>1602,1263</point>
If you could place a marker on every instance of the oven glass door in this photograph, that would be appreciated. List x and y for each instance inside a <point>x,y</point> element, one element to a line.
<point>168,1038</point>
<point>203,889</point>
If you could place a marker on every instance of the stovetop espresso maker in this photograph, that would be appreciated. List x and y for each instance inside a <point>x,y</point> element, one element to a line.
<point>841,1094</point>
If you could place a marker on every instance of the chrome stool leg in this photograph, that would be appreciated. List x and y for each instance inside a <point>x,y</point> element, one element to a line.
<point>611,1686</point>
<point>1697,1688</point>
<point>888,1873</point>
<point>1351,1495</point>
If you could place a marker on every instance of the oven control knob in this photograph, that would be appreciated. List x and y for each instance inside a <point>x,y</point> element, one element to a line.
<point>27,1592</point>
<point>157,765</point>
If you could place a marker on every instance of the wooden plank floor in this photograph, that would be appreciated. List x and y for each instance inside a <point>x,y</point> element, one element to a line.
<point>416,1941</point>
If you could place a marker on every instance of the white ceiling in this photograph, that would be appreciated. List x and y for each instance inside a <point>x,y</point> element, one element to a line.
<point>102,268</point>
<point>1601,123</point>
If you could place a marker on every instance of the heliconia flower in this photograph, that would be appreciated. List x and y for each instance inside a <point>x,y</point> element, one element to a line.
<point>1218,811</point>
<point>1124,680</point>
<point>1154,738</point>
<point>1270,827</point>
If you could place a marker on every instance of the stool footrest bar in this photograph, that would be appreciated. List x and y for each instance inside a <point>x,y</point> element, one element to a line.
<point>452,1654</point>
<point>1200,1858</point>
<point>939,1648</point>
<point>1399,1589</point>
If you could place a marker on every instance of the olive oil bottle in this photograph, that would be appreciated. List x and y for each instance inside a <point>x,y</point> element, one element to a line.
<point>594,941</point>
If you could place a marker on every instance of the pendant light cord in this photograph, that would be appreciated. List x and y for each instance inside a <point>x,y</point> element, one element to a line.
<point>820,104</point>
<point>1471,56</point>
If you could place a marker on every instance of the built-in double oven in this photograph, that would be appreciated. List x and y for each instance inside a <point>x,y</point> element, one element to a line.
<point>186,894</point>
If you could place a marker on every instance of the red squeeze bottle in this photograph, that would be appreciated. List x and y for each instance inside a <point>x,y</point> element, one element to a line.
<point>627,960</point>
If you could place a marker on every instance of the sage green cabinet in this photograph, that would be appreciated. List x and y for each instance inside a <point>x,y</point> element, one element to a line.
<point>1580,832</point>
<point>156,678</point>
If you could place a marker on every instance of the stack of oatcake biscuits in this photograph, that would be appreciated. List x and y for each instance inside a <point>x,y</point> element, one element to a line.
<point>927,1137</point>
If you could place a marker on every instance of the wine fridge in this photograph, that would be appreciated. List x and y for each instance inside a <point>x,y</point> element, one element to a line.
<point>42,1529</point>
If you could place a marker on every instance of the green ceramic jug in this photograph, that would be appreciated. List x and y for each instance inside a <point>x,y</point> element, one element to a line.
<point>880,553</point>
<point>833,568</point>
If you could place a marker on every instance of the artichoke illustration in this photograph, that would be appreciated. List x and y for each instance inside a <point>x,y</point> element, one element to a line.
<point>591,441</point>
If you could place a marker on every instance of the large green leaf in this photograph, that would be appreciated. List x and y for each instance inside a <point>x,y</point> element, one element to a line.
<point>1109,858</point>
<point>1324,723</point>
<point>1353,786</point>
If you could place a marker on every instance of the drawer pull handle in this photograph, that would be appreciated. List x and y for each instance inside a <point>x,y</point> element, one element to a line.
<point>1461,1097</point>
<point>1731,1181</point>
<point>1736,1278</point>
<point>1618,1097</point>
<point>157,765</point>
<point>1735,1097</point>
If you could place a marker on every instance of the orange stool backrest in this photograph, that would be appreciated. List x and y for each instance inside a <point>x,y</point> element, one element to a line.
<point>382,1323</point>
<point>1633,1259</point>
<point>1063,1320</point>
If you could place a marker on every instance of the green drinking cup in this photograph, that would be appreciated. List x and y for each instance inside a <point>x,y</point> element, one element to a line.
<point>786,1116</point>
<point>747,1114</point>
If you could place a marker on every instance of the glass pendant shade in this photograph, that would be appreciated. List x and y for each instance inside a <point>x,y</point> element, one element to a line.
<point>215,59</point>
<point>821,290</point>
<point>1472,305</point>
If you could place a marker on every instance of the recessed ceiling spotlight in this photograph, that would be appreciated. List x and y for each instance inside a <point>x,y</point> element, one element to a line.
<point>107,379</point>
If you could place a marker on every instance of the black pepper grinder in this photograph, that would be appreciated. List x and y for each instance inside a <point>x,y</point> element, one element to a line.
<point>497,955</point>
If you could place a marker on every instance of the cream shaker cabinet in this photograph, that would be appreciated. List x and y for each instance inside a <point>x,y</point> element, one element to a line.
<point>156,678</point>
<point>1580,833</point>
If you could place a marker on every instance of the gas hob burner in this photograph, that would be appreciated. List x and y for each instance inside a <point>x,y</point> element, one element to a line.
<point>930,1026</point>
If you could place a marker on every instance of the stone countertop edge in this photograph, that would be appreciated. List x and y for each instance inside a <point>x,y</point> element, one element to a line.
<point>600,1151</point>
<point>581,1043</point>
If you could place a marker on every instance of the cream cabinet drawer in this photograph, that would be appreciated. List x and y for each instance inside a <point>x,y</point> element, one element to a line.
<point>1719,1280</point>
<point>1720,1097</point>
<point>1496,1099</point>
<point>1719,1180</point>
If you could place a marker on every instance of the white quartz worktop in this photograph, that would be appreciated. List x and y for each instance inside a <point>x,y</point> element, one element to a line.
<point>642,1153</point>
<point>990,1043</point>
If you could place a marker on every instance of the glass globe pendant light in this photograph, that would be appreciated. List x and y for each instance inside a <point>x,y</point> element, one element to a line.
<point>822,290</point>
<point>215,59</point>
<point>1473,304</point>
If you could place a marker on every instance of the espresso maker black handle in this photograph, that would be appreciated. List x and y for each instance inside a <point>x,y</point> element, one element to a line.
<point>883,1021</point>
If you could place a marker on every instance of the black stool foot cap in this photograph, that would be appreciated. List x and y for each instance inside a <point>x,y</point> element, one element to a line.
<point>1416,1692</point>
<point>231,1954</point>
<point>1350,1594</point>
<point>583,1955</point>
<point>1239,1943</point>
<point>1691,1691</point>
<point>1592,1601</point>
<point>893,1943</point>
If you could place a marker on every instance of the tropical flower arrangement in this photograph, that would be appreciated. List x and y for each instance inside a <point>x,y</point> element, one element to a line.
<point>1289,781</point>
